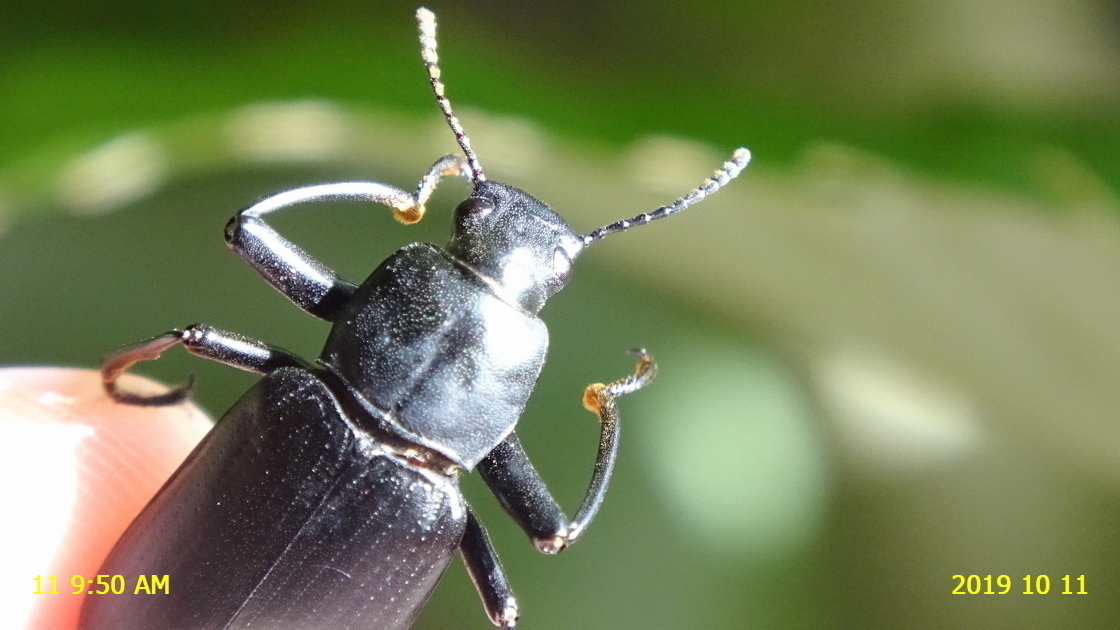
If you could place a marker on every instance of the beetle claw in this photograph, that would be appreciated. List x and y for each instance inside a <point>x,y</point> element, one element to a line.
<point>173,397</point>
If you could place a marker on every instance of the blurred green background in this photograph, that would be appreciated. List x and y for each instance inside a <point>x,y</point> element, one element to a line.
<point>890,350</point>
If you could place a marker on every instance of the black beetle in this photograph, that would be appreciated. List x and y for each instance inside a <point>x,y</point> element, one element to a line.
<point>327,497</point>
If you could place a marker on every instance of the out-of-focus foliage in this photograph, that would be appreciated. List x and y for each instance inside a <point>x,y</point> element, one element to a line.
<point>889,350</point>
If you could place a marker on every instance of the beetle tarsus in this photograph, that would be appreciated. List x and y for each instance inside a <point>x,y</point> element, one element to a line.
<point>446,166</point>
<point>117,364</point>
<point>603,397</point>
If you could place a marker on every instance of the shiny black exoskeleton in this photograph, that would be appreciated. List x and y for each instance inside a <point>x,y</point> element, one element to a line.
<point>327,497</point>
<point>447,341</point>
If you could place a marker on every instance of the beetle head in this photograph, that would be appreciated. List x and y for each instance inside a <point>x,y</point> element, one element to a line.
<point>514,241</point>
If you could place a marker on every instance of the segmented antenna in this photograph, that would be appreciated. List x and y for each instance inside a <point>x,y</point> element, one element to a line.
<point>726,173</point>
<point>427,22</point>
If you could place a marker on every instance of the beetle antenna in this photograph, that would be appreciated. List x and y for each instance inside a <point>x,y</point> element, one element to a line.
<point>726,173</point>
<point>427,21</point>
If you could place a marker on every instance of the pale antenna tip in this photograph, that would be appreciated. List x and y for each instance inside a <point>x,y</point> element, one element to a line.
<point>427,23</point>
<point>739,160</point>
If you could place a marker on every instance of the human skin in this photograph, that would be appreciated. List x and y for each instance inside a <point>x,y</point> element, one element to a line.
<point>75,469</point>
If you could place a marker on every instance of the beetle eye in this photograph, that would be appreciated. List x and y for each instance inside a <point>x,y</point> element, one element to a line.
<point>473,209</point>
<point>561,266</point>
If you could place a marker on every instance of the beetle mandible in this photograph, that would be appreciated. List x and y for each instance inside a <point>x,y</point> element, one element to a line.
<point>327,497</point>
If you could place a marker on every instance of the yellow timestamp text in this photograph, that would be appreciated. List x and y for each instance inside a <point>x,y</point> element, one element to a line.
<point>1032,585</point>
<point>105,585</point>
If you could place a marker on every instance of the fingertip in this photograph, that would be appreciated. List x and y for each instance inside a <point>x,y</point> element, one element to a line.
<point>76,468</point>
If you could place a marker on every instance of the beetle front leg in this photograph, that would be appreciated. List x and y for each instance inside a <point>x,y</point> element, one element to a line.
<point>205,341</point>
<point>487,574</point>
<point>311,285</point>
<point>512,478</point>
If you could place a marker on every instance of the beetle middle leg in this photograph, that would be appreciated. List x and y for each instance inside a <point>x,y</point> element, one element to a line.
<point>205,341</point>
<point>311,285</point>
<point>518,486</point>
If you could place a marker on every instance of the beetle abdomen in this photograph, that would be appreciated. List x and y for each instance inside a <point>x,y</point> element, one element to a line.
<point>448,361</point>
<point>284,518</point>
